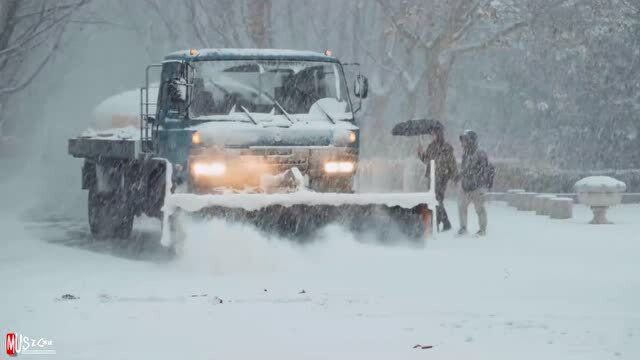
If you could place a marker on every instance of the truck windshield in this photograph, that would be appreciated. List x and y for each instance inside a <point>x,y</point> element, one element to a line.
<point>300,87</point>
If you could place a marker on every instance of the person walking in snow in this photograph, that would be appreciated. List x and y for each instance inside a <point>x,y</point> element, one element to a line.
<point>441,152</point>
<point>476,177</point>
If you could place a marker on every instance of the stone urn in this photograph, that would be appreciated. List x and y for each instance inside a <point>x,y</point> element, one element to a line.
<point>599,193</point>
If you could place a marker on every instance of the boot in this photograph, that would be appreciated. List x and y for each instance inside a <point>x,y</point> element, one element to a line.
<point>462,231</point>
<point>481,233</point>
<point>446,225</point>
<point>443,218</point>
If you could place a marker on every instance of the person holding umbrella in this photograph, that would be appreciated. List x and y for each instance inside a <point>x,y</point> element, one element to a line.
<point>441,152</point>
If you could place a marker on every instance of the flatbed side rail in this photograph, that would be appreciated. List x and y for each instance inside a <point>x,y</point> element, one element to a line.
<point>146,130</point>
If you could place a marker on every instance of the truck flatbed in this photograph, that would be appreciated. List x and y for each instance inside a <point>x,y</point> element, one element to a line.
<point>121,144</point>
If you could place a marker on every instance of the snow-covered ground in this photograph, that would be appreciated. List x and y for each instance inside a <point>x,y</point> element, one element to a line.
<point>534,288</point>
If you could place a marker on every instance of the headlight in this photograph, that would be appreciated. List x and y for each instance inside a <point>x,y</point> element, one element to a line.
<point>209,169</point>
<point>339,167</point>
<point>344,137</point>
<point>352,136</point>
<point>195,138</point>
<point>331,167</point>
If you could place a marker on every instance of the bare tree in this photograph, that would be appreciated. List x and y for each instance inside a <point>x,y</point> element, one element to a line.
<point>212,23</point>
<point>440,31</point>
<point>214,28</point>
<point>30,34</point>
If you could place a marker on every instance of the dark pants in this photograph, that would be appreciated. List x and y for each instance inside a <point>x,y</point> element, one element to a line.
<point>443,218</point>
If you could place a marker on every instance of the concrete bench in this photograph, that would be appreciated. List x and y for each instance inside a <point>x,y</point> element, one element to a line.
<point>524,201</point>
<point>561,208</point>
<point>511,196</point>
<point>540,202</point>
<point>546,206</point>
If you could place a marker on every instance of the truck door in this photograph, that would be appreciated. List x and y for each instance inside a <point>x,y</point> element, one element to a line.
<point>175,91</point>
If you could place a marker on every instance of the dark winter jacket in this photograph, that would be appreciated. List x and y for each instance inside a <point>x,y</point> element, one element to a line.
<point>446,167</point>
<point>475,169</point>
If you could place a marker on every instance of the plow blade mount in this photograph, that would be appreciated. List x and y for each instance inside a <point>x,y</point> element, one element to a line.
<point>300,215</point>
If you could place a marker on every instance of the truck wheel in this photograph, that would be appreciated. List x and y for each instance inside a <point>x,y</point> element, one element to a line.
<point>109,215</point>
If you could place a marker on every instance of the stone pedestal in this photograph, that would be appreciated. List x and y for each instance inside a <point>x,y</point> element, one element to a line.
<point>599,215</point>
<point>599,193</point>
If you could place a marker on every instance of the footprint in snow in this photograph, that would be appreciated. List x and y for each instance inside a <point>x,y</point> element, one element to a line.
<point>468,339</point>
<point>68,297</point>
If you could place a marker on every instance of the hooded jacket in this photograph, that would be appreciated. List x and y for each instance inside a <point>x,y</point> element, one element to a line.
<point>475,164</point>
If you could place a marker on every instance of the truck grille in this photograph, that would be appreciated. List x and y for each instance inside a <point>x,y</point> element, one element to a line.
<point>282,158</point>
<point>282,162</point>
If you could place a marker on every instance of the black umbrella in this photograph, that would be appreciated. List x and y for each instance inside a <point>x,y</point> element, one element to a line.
<point>416,127</point>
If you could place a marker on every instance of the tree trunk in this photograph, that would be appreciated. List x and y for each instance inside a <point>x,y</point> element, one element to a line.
<point>412,104</point>
<point>438,87</point>
<point>259,22</point>
<point>8,10</point>
<point>374,130</point>
<point>291,16</point>
<point>355,30</point>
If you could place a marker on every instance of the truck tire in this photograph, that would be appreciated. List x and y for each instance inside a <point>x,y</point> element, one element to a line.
<point>109,215</point>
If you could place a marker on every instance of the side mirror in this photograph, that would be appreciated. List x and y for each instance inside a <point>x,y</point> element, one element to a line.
<point>178,90</point>
<point>361,87</point>
<point>151,120</point>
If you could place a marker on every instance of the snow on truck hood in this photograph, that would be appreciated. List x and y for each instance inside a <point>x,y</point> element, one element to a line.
<point>307,130</point>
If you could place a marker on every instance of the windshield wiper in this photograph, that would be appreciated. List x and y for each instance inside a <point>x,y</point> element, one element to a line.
<point>244,109</point>
<point>276,103</point>
<point>325,113</point>
<point>262,92</point>
<point>284,112</point>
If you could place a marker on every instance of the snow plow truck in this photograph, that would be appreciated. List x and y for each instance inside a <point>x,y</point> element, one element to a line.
<point>263,137</point>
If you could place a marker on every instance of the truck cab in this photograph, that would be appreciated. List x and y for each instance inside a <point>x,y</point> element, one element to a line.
<point>226,117</point>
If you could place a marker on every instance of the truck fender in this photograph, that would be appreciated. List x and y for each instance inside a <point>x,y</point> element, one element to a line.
<point>88,175</point>
<point>155,189</point>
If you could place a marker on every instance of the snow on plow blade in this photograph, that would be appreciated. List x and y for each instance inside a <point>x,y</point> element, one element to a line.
<point>300,215</point>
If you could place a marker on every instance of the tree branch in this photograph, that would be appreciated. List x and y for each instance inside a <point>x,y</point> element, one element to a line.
<point>41,65</point>
<point>497,37</point>
<point>34,36</point>
<point>53,9</point>
<point>471,17</point>
<point>167,24</point>
<point>228,21</point>
<point>633,7</point>
<point>401,28</point>
<point>196,23</point>
<point>23,41</point>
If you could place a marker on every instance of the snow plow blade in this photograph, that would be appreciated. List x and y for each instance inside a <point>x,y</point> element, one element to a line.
<point>300,215</point>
